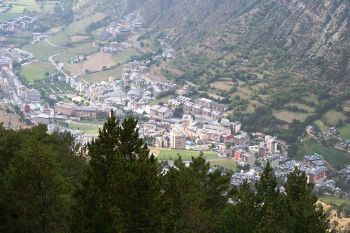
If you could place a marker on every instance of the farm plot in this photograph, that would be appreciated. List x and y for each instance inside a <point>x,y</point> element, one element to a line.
<point>95,62</point>
<point>52,87</point>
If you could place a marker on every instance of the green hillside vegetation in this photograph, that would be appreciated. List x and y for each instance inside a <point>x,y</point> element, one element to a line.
<point>344,131</point>
<point>42,50</point>
<point>336,159</point>
<point>36,70</point>
<point>94,189</point>
<point>77,49</point>
<point>60,39</point>
<point>103,75</point>
<point>79,27</point>
<point>22,6</point>
<point>125,55</point>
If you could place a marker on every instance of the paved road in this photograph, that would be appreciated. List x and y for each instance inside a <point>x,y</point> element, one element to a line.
<point>53,45</point>
<point>59,68</point>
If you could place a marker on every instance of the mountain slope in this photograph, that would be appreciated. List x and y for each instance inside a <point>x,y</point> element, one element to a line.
<point>313,34</point>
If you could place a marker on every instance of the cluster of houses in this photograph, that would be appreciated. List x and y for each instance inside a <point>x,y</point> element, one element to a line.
<point>115,47</point>
<point>128,24</point>
<point>201,108</point>
<point>313,165</point>
<point>37,36</point>
<point>21,55</point>
<point>20,23</point>
<point>76,59</point>
<point>329,135</point>
<point>187,133</point>
<point>4,6</point>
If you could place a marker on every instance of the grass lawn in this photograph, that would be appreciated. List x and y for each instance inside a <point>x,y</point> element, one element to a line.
<point>87,128</point>
<point>36,70</point>
<point>103,75</point>
<point>186,155</point>
<point>125,55</point>
<point>334,200</point>
<point>335,158</point>
<point>93,121</point>
<point>225,163</point>
<point>345,131</point>
<point>42,50</point>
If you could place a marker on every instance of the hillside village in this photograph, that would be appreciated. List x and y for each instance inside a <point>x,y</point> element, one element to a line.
<point>170,119</point>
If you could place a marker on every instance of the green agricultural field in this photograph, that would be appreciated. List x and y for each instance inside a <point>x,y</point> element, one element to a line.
<point>87,128</point>
<point>125,55</point>
<point>78,27</point>
<point>333,117</point>
<point>225,163</point>
<point>52,87</point>
<point>60,39</point>
<point>337,159</point>
<point>8,16</point>
<point>42,50</point>
<point>186,155</point>
<point>345,131</point>
<point>22,6</point>
<point>78,49</point>
<point>103,75</point>
<point>332,200</point>
<point>36,70</point>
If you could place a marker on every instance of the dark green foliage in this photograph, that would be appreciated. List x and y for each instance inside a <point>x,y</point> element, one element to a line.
<point>122,189</point>
<point>48,186</point>
<point>301,205</point>
<point>39,174</point>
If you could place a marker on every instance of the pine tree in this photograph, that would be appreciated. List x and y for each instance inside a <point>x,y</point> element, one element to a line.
<point>122,191</point>
<point>193,197</point>
<point>269,201</point>
<point>34,193</point>
<point>241,215</point>
<point>303,214</point>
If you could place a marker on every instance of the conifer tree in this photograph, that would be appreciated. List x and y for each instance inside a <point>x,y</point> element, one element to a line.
<point>269,202</point>
<point>34,194</point>
<point>303,214</point>
<point>241,214</point>
<point>122,189</point>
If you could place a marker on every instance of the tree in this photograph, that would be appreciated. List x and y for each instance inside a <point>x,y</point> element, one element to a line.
<point>240,216</point>
<point>122,189</point>
<point>35,194</point>
<point>303,214</point>
<point>269,202</point>
<point>192,197</point>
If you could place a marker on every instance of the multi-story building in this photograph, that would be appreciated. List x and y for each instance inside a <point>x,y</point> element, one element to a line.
<point>32,95</point>
<point>161,112</point>
<point>177,140</point>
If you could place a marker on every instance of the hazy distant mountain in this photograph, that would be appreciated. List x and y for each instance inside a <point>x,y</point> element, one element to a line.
<point>313,34</point>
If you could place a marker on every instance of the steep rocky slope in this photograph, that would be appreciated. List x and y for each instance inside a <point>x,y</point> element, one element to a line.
<point>313,34</point>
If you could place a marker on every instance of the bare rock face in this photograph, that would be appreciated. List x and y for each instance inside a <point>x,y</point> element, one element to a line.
<point>315,33</point>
